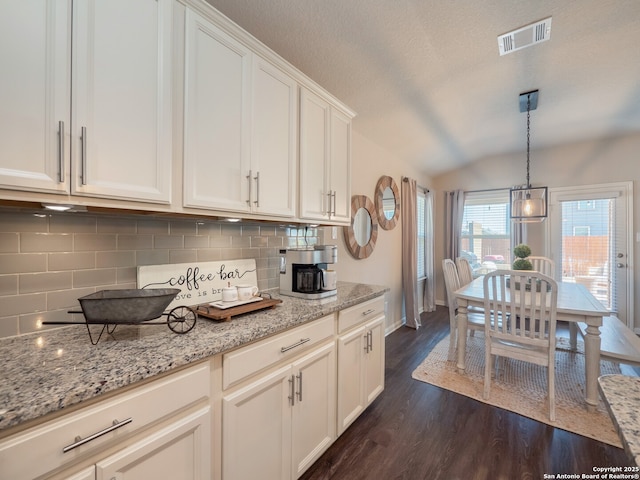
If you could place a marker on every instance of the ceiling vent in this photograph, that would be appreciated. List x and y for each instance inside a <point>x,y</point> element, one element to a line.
<point>525,36</point>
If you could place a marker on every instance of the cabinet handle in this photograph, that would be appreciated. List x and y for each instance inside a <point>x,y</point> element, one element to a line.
<point>81,441</point>
<point>297,344</point>
<point>367,312</point>
<point>370,340</point>
<point>257,179</point>
<point>333,196</point>
<point>292,397</point>
<point>366,342</point>
<point>299,377</point>
<point>61,151</point>
<point>328,210</point>
<point>248,177</point>
<point>83,139</point>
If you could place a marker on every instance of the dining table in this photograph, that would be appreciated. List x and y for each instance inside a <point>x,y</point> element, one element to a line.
<point>575,304</point>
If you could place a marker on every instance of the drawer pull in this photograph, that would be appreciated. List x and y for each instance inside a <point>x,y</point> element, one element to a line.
<point>297,344</point>
<point>367,312</point>
<point>81,441</point>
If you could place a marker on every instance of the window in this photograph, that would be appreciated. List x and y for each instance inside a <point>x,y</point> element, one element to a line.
<point>486,230</point>
<point>421,208</point>
<point>582,231</point>
<point>586,205</point>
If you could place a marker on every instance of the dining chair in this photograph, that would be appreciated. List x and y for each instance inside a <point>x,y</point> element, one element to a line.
<point>544,265</point>
<point>465,273</point>
<point>529,300</point>
<point>475,321</point>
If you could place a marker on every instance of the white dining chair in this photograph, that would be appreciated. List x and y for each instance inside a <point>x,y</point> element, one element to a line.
<point>465,272</point>
<point>465,275</point>
<point>530,333</point>
<point>544,265</point>
<point>475,321</point>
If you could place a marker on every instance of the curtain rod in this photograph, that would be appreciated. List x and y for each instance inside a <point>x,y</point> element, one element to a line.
<point>482,191</point>
<point>425,189</point>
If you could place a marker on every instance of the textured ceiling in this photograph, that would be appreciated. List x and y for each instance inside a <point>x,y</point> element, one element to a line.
<point>428,84</point>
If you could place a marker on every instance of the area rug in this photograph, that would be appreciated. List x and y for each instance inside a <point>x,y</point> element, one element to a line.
<point>521,387</point>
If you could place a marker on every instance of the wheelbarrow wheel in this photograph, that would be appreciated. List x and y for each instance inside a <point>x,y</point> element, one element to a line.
<point>181,319</point>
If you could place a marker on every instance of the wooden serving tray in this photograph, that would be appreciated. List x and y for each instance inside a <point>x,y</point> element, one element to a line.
<point>208,311</point>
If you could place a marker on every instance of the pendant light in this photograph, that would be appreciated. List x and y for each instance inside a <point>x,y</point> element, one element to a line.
<point>528,205</point>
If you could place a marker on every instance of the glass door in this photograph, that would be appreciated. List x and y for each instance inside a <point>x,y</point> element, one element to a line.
<point>590,245</point>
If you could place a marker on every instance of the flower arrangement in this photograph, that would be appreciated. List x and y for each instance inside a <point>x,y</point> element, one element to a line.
<point>521,252</point>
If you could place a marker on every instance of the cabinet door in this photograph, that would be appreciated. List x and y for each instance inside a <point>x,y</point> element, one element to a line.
<point>256,429</point>
<point>216,122</point>
<point>122,119</point>
<point>314,410</point>
<point>314,156</point>
<point>374,362</point>
<point>35,54</point>
<point>274,140</point>
<point>180,450</point>
<point>340,167</point>
<point>351,398</point>
<point>88,473</point>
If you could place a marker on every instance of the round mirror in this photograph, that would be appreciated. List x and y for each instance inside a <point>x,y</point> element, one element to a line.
<point>362,226</point>
<point>387,202</point>
<point>360,237</point>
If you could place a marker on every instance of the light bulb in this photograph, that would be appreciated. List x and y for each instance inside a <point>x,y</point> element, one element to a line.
<point>527,207</point>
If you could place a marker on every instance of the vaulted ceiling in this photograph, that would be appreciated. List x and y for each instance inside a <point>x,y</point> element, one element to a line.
<point>427,81</point>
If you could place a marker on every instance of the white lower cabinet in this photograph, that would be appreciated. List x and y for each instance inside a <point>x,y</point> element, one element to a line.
<point>180,450</point>
<point>277,425</point>
<point>360,366</point>
<point>85,474</point>
<point>159,430</point>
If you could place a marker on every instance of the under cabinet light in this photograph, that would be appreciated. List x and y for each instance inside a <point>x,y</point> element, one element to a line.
<point>62,207</point>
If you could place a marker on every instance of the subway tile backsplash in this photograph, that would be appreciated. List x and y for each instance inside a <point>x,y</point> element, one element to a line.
<point>48,261</point>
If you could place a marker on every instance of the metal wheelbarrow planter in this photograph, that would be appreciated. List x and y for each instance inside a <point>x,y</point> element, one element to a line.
<point>111,308</point>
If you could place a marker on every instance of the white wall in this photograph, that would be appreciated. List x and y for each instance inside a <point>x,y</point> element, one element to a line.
<point>384,266</point>
<point>586,163</point>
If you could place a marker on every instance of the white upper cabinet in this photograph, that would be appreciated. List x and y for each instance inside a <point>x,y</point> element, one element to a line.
<point>340,166</point>
<point>216,121</point>
<point>122,119</point>
<point>98,124</point>
<point>325,160</point>
<point>35,54</point>
<point>274,144</point>
<point>240,126</point>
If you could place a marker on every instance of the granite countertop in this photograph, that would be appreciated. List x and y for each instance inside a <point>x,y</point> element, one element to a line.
<point>58,367</point>
<point>621,394</point>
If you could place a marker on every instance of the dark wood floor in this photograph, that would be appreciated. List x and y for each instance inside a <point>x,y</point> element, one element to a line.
<point>417,431</point>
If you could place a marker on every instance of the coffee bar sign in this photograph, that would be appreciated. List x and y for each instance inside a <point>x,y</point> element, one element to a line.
<point>200,282</point>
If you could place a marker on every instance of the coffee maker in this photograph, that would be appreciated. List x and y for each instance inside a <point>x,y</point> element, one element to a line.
<point>301,271</point>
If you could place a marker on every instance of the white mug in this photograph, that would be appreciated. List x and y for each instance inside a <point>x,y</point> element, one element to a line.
<point>229,294</point>
<point>329,279</point>
<point>245,292</point>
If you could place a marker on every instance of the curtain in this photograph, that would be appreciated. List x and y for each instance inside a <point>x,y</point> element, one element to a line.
<point>454,210</point>
<point>409,252</point>
<point>429,284</point>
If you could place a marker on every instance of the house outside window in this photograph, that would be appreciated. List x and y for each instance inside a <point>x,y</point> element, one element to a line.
<point>486,231</point>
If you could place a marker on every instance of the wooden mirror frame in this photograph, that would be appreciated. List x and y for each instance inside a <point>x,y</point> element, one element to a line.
<point>384,182</point>
<point>356,250</point>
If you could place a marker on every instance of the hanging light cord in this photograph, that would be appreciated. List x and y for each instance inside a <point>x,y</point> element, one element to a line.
<point>528,123</point>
